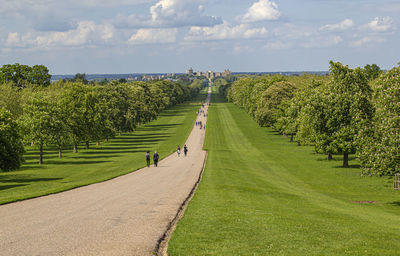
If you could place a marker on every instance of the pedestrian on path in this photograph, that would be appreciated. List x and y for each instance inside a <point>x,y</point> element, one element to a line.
<point>155,158</point>
<point>185,150</point>
<point>178,150</point>
<point>148,158</point>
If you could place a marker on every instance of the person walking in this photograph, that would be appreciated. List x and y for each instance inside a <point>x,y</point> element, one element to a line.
<point>155,158</point>
<point>148,158</point>
<point>178,150</point>
<point>185,150</point>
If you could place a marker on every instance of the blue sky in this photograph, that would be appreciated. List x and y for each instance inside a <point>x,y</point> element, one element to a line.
<point>143,36</point>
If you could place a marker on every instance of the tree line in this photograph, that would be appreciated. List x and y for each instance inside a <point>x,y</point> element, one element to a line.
<point>348,111</point>
<point>70,113</point>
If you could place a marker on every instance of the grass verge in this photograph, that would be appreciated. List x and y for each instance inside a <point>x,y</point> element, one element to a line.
<point>116,157</point>
<point>261,195</point>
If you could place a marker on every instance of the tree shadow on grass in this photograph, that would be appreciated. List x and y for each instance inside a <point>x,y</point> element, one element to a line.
<point>351,166</point>
<point>158,127</point>
<point>62,162</point>
<point>95,157</point>
<point>11,186</point>
<point>23,178</point>
<point>396,203</point>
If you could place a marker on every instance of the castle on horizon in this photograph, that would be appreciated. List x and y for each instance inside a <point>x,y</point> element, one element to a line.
<point>208,74</point>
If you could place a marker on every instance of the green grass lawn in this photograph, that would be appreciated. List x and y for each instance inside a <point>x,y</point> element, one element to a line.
<point>124,154</point>
<point>262,195</point>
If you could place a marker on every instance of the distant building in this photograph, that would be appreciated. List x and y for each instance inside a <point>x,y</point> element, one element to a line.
<point>208,74</point>
<point>189,72</point>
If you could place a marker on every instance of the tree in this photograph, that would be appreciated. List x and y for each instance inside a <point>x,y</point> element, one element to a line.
<point>379,141</point>
<point>39,75</point>
<point>372,72</point>
<point>15,73</point>
<point>38,121</point>
<point>81,78</point>
<point>22,75</point>
<point>343,109</point>
<point>268,110</point>
<point>11,99</point>
<point>11,147</point>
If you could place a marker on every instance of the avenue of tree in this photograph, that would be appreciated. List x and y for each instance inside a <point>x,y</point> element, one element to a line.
<point>34,111</point>
<point>349,111</point>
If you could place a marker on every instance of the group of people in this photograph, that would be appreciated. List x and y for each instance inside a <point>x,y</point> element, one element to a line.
<point>201,112</point>
<point>185,150</point>
<point>155,158</point>
<point>199,123</point>
<point>178,149</point>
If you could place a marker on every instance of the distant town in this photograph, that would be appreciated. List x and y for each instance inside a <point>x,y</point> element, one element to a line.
<point>189,74</point>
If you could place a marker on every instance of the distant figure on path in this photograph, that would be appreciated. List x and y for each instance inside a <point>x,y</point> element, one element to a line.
<point>155,158</point>
<point>178,150</point>
<point>185,150</point>
<point>148,158</point>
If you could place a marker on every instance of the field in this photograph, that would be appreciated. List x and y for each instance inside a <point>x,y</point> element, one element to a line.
<point>262,195</point>
<point>118,156</point>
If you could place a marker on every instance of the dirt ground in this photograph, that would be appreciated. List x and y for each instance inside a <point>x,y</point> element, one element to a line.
<point>123,216</point>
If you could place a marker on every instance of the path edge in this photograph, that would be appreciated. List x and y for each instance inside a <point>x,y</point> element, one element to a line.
<point>161,248</point>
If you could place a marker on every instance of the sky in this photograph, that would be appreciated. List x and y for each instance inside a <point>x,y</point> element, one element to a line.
<point>170,36</point>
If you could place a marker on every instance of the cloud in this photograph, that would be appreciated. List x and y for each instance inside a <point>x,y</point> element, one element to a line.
<point>168,14</point>
<point>379,24</point>
<point>366,40</point>
<point>278,45</point>
<point>261,11</point>
<point>344,25</point>
<point>224,32</point>
<point>318,41</point>
<point>86,33</point>
<point>153,36</point>
<point>13,39</point>
<point>179,13</point>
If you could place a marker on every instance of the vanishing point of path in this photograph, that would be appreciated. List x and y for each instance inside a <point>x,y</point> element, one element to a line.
<point>123,216</point>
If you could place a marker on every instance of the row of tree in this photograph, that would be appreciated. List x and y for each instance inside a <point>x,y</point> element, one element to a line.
<point>67,113</point>
<point>348,111</point>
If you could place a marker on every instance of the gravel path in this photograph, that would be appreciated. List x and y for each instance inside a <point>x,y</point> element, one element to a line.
<point>123,216</point>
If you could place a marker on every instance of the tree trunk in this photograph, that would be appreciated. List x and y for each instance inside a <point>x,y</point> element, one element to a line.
<point>87,144</point>
<point>291,137</point>
<point>330,156</point>
<point>41,153</point>
<point>75,148</point>
<point>345,159</point>
<point>298,143</point>
<point>97,143</point>
<point>59,151</point>
<point>32,143</point>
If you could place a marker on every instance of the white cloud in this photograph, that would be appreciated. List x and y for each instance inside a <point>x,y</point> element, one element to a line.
<point>366,40</point>
<point>379,24</point>
<point>179,13</point>
<point>321,41</point>
<point>278,45</point>
<point>152,36</point>
<point>344,25</point>
<point>169,13</point>
<point>261,11</point>
<point>86,33</point>
<point>13,39</point>
<point>225,31</point>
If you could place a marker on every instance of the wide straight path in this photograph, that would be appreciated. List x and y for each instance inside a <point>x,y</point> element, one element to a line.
<point>123,216</point>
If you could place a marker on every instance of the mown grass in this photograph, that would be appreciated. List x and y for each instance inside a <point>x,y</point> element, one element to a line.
<point>262,195</point>
<point>118,156</point>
